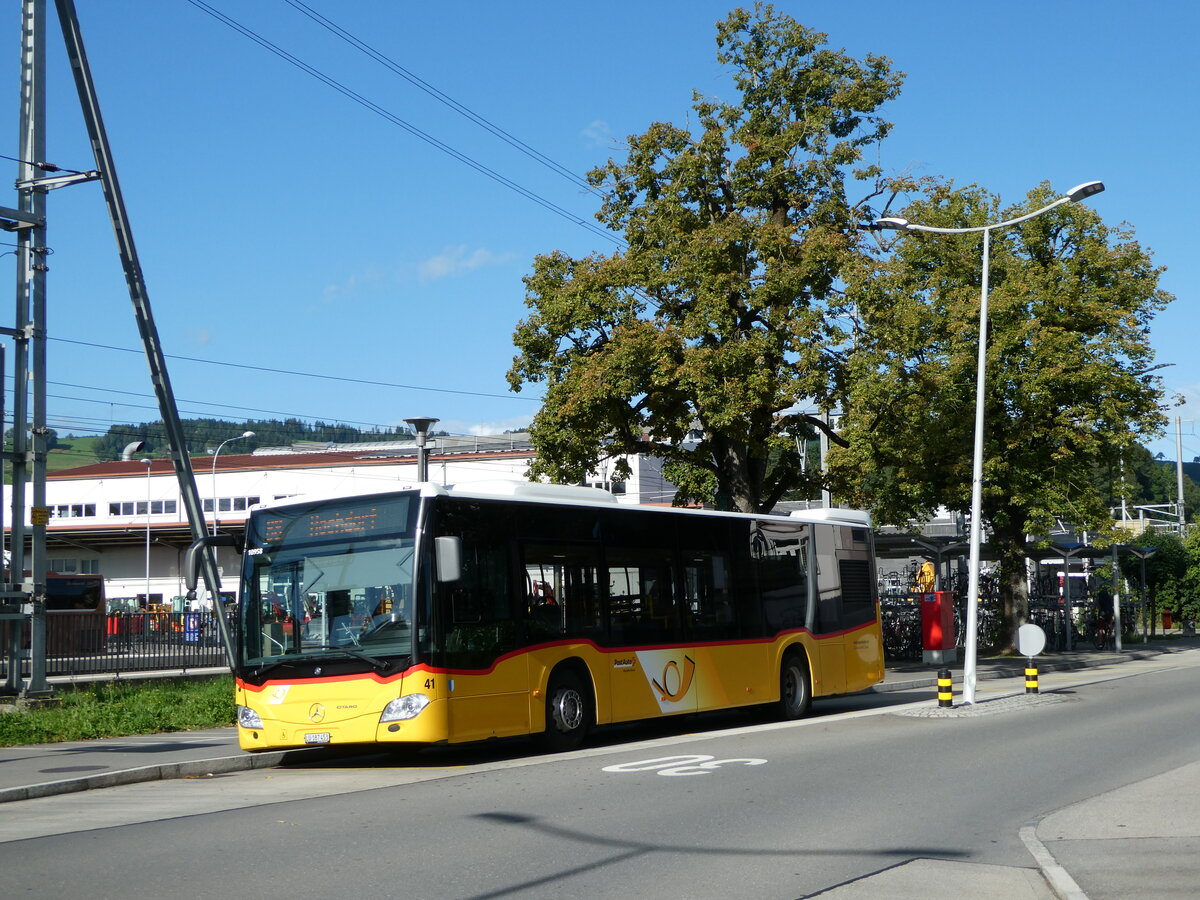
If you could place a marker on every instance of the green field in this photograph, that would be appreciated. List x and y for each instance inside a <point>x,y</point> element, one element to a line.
<point>71,453</point>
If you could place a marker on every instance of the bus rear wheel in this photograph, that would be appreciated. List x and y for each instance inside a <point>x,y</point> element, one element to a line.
<point>795,687</point>
<point>568,713</point>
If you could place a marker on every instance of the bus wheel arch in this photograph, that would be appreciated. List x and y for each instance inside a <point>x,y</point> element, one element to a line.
<point>570,707</point>
<point>795,685</point>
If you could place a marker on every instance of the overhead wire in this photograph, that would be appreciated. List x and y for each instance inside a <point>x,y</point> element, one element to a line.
<point>271,412</point>
<point>341,378</point>
<point>416,132</point>
<point>439,95</point>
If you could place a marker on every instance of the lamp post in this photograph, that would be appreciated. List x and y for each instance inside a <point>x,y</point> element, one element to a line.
<point>242,436</point>
<point>970,644</point>
<point>148,463</point>
<point>421,425</point>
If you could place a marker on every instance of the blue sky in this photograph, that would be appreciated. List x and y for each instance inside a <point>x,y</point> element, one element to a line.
<point>285,227</point>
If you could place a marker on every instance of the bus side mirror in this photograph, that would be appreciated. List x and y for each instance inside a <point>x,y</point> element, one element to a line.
<point>447,554</point>
<point>191,562</point>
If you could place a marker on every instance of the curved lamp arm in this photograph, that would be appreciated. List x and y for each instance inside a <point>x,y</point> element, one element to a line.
<point>1077,193</point>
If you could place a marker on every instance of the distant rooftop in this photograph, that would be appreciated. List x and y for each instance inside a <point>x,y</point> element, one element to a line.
<point>443,443</point>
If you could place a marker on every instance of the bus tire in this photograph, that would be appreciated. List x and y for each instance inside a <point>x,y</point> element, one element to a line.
<point>568,713</point>
<point>795,687</point>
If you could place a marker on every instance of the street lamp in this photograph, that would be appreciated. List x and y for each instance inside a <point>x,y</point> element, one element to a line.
<point>242,436</point>
<point>1077,193</point>
<point>148,463</point>
<point>421,425</point>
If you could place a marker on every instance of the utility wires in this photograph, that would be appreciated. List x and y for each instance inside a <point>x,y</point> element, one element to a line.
<point>406,126</point>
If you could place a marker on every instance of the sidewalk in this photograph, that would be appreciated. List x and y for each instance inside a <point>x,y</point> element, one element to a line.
<point>1077,835</point>
<point>905,675</point>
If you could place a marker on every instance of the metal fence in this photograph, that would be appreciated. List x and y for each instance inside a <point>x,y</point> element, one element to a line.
<point>93,643</point>
<point>900,617</point>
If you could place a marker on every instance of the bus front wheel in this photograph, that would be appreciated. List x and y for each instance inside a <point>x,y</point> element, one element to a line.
<point>568,713</point>
<point>795,687</point>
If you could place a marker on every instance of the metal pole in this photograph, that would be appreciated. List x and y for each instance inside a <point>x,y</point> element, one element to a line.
<point>1068,618</point>
<point>29,439</point>
<point>148,464</point>
<point>246,434</point>
<point>1145,610</point>
<point>214,486</point>
<point>823,444</point>
<point>421,425</point>
<point>1179,472</point>
<point>1116,595</point>
<point>970,643</point>
<point>155,358</point>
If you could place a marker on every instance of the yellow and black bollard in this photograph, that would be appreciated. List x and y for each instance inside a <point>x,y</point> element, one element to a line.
<point>945,689</point>
<point>1031,678</point>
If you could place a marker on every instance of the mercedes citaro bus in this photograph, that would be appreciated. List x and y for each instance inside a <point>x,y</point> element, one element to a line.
<point>445,614</point>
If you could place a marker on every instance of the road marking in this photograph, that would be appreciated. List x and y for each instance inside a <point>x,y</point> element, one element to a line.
<point>694,764</point>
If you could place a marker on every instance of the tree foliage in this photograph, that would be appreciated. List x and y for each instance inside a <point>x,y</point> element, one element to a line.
<point>721,314</point>
<point>1070,384</point>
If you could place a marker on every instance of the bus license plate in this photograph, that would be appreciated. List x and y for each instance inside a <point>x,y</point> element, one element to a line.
<point>321,737</point>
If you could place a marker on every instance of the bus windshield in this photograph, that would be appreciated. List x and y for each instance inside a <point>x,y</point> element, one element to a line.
<point>329,581</point>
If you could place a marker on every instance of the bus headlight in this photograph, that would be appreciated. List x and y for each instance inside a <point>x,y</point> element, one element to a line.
<point>248,718</point>
<point>408,707</point>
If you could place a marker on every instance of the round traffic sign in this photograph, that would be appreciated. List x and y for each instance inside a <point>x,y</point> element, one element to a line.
<point>1031,640</point>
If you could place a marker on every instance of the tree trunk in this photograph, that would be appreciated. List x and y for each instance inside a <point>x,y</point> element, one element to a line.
<point>1014,591</point>
<point>735,478</point>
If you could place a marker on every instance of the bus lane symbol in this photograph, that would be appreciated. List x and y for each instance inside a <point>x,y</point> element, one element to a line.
<point>694,764</point>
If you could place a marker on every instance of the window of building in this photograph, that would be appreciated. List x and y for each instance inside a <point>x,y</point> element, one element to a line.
<point>74,510</point>
<point>232,504</point>
<point>157,508</point>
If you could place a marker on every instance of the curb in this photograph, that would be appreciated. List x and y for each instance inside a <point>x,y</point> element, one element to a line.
<point>157,772</point>
<point>1064,886</point>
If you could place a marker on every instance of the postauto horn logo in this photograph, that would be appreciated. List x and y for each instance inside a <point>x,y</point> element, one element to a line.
<point>675,680</point>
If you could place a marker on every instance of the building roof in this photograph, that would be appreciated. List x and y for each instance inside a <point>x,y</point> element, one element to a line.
<point>233,462</point>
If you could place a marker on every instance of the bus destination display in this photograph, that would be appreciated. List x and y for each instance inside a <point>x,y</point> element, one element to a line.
<point>387,517</point>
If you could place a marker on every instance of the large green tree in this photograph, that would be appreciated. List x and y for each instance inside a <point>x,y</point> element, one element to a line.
<point>721,317</point>
<point>1070,383</point>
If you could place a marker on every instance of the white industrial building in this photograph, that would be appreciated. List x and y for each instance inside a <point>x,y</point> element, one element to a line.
<point>126,521</point>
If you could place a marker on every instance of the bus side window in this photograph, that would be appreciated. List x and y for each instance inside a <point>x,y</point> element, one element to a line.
<point>643,603</point>
<point>562,591</point>
<point>706,597</point>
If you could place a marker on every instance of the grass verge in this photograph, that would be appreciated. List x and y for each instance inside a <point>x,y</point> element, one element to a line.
<point>121,708</point>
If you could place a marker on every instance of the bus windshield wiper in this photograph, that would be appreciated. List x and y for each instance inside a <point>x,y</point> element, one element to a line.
<point>272,666</point>
<point>379,665</point>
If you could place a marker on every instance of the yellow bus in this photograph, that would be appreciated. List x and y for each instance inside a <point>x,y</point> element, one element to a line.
<point>448,614</point>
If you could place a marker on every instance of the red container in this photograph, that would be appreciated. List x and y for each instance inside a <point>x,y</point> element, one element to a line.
<point>937,621</point>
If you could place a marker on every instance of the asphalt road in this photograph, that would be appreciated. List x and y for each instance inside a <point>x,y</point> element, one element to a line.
<point>745,809</point>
